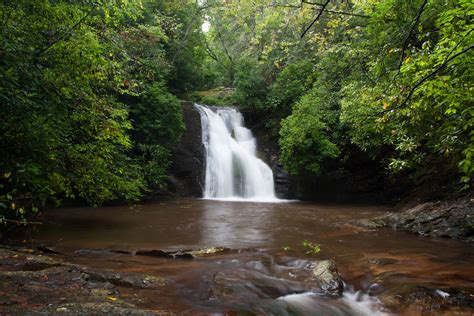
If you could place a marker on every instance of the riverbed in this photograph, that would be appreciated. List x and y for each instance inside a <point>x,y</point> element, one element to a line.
<point>403,273</point>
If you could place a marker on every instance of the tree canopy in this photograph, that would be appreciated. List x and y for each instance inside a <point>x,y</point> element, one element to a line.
<point>89,89</point>
<point>87,103</point>
<point>392,77</point>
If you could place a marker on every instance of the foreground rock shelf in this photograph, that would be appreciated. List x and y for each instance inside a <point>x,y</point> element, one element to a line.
<point>45,280</point>
<point>39,284</point>
<point>48,284</point>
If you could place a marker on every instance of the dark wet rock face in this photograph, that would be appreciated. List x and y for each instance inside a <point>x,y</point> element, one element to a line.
<point>453,219</point>
<point>284,183</point>
<point>284,186</point>
<point>187,169</point>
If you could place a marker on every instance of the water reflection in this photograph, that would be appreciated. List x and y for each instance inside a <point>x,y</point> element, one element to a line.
<point>236,224</point>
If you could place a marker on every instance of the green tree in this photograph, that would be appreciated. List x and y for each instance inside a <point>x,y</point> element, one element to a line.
<point>86,109</point>
<point>305,135</point>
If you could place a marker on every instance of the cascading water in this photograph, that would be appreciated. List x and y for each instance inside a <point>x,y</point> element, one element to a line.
<point>233,170</point>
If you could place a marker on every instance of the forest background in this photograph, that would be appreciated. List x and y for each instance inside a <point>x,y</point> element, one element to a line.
<point>90,90</point>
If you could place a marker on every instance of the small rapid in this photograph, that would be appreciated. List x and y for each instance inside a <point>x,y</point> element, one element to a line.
<point>233,170</point>
<point>351,304</point>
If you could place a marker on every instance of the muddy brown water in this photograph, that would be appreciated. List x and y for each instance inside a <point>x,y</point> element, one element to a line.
<point>384,260</point>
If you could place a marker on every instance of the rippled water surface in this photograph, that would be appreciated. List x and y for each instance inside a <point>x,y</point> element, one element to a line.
<point>385,259</point>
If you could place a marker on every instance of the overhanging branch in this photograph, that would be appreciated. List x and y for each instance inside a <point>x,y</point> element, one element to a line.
<point>412,30</point>
<point>73,27</point>
<point>422,80</point>
<point>317,17</point>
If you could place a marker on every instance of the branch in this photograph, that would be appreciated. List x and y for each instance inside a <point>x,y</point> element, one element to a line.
<point>314,3</point>
<point>226,51</point>
<point>284,6</point>
<point>328,11</point>
<point>185,37</point>
<point>221,40</point>
<point>412,30</point>
<point>21,222</point>
<point>422,80</point>
<point>348,13</point>
<point>317,17</point>
<point>459,43</point>
<point>44,50</point>
<point>206,7</point>
<point>209,50</point>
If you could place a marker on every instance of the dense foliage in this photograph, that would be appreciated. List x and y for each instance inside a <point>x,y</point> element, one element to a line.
<point>392,77</point>
<point>87,112</point>
<point>89,89</point>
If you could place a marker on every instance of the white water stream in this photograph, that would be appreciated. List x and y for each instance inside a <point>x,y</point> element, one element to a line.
<point>352,303</point>
<point>233,171</point>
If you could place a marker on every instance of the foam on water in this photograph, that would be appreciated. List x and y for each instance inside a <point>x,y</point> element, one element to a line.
<point>351,303</point>
<point>363,304</point>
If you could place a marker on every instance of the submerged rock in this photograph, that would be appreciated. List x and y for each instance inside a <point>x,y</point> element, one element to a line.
<point>182,254</point>
<point>122,279</point>
<point>165,254</point>
<point>208,251</point>
<point>99,308</point>
<point>371,223</point>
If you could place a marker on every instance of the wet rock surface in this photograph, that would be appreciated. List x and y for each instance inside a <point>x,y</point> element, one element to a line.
<point>420,300</point>
<point>187,169</point>
<point>255,282</point>
<point>259,283</point>
<point>259,280</point>
<point>453,219</point>
<point>415,285</point>
<point>284,183</point>
<point>182,254</point>
<point>217,280</point>
<point>38,284</point>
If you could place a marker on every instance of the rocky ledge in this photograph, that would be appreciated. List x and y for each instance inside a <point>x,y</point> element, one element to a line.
<point>37,283</point>
<point>452,219</point>
<point>42,281</point>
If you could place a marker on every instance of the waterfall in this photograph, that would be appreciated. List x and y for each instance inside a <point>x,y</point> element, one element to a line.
<point>233,171</point>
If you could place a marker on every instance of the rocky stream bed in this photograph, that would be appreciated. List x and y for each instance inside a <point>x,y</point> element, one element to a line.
<point>130,261</point>
<point>41,281</point>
